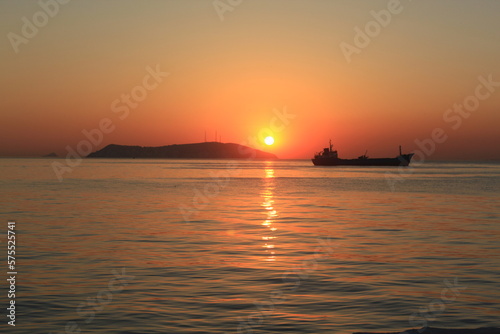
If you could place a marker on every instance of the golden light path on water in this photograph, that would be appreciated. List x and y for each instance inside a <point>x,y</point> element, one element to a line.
<point>267,194</point>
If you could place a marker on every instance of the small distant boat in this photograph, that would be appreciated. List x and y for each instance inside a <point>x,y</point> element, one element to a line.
<point>329,157</point>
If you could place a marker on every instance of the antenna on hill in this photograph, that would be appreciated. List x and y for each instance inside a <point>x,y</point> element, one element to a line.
<point>215,135</point>
<point>205,136</point>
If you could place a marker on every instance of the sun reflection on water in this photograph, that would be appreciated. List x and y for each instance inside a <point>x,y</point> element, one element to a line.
<point>267,195</point>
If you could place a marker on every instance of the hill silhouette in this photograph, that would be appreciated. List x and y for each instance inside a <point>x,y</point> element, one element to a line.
<point>208,150</point>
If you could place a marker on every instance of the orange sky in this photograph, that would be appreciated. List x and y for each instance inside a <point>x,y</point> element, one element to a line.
<point>232,75</point>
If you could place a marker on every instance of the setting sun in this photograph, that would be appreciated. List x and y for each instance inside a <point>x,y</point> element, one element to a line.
<point>269,140</point>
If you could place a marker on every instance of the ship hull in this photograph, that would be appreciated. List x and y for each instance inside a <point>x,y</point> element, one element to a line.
<point>402,160</point>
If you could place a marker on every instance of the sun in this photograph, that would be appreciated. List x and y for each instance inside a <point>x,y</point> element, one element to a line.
<point>269,140</point>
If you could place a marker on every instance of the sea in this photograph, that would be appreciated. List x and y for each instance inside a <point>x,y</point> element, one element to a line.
<point>228,246</point>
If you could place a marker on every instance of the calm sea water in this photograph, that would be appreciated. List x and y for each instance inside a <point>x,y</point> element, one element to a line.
<point>188,246</point>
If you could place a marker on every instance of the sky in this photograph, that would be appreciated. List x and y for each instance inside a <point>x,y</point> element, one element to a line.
<point>369,75</point>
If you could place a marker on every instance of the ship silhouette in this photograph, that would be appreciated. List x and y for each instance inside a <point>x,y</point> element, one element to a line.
<point>329,157</point>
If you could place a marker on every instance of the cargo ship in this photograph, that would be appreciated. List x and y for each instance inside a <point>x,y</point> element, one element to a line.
<point>329,157</point>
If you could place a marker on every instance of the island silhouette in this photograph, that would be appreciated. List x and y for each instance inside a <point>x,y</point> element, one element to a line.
<point>206,150</point>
